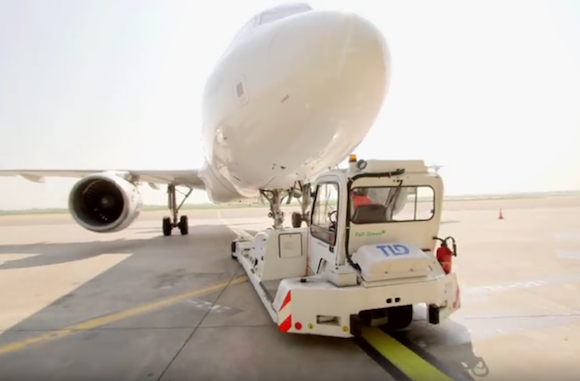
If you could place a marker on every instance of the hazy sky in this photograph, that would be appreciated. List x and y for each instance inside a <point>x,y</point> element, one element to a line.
<point>491,90</point>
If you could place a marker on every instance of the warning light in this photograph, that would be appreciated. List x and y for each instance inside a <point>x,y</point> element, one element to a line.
<point>352,159</point>
<point>298,326</point>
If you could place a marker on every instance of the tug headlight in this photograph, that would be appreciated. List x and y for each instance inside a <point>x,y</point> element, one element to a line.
<point>361,164</point>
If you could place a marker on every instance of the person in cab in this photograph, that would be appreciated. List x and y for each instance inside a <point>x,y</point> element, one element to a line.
<point>360,197</point>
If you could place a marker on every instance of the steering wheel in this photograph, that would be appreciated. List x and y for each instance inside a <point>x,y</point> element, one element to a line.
<point>332,216</point>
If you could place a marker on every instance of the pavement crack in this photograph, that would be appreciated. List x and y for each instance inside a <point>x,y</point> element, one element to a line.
<point>195,328</point>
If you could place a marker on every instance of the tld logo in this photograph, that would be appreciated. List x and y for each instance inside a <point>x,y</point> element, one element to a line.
<point>396,249</point>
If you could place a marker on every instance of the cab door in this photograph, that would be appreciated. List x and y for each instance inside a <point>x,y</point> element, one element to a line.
<point>324,235</point>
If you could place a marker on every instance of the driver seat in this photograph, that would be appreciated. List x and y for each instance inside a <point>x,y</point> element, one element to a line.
<point>370,214</point>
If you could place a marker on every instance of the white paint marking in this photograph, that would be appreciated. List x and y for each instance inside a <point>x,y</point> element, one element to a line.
<point>239,231</point>
<point>568,254</point>
<point>486,290</point>
<point>570,236</point>
<point>205,306</point>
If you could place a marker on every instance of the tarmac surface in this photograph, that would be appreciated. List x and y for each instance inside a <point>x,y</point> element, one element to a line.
<point>135,305</point>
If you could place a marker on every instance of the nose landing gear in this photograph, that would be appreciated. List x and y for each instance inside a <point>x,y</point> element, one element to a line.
<point>305,201</point>
<point>275,198</point>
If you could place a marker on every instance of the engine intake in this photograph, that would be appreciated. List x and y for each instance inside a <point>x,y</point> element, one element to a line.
<point>104,203</point>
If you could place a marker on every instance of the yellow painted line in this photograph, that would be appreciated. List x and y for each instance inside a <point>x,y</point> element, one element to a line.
<point>115,317</point>
<point>410,363</point>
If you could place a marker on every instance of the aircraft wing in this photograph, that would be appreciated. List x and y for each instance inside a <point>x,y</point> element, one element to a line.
<point>152,177</point>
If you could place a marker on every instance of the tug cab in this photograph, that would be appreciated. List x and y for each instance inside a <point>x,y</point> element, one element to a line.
<point>371,262</point>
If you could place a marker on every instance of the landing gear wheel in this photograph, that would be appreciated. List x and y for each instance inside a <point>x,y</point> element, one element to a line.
<point>183,225</point>
<point>296,220</point>
<point>399,317</point>
<point>167,226</point>
<point>175,221</point>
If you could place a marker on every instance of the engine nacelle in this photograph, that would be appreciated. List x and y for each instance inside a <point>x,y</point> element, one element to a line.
<point>104,203</point>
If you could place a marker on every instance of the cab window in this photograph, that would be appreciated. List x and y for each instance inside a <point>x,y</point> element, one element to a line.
<point>392,204</point>
<point>325,212</point>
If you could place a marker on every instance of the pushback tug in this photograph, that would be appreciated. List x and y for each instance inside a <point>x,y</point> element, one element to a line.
<point>367,265</point>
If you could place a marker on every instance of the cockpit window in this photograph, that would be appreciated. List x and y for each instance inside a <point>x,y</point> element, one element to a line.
<point>283,11</point>
<point>268,16</point>
<point>246,28</point>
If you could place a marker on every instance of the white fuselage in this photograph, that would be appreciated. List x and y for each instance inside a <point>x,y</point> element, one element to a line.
<point>289,99</point>
<point>292,96</point>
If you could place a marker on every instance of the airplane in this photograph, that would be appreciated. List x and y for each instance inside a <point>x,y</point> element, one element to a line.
<point>295,92</point>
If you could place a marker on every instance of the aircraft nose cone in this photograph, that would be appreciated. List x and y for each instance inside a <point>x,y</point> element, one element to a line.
<point>351,45</point>
<point>330,72</point>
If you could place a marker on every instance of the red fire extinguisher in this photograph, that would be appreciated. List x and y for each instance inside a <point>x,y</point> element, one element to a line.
<point>445,254</point>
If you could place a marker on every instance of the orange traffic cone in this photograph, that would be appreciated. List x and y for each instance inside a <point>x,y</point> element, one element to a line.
<point>500,215</point>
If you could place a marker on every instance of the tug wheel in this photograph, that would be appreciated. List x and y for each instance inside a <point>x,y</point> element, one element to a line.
<point>296,220</point>
<point>233,249</point>
<point>399,317</point>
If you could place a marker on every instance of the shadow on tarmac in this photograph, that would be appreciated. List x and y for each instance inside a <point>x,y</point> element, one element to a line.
<point>194,261</point>
<point>58,253</point>
<point>448,346</point>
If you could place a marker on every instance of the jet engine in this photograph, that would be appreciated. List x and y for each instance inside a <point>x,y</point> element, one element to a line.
<point>104,203</point>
